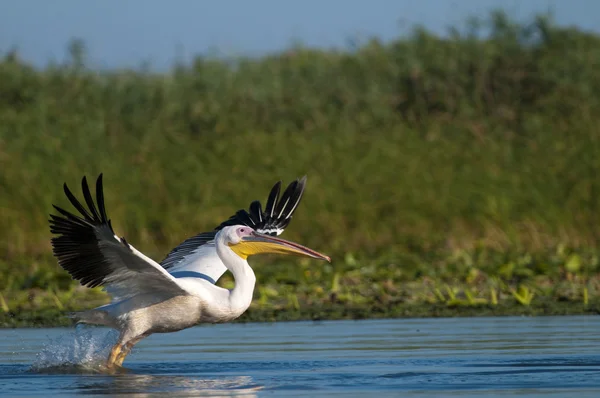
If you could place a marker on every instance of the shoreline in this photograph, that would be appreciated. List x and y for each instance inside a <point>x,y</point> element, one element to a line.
<point>55,318</point>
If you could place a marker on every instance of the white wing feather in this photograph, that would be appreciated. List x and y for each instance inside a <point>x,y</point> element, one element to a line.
<point>203,262</point>
<point>134,273</point>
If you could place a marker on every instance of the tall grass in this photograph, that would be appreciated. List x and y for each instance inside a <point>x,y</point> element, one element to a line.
<point>421,152</point>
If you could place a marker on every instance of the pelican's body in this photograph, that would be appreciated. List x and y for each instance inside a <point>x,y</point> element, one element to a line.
<point>181,291</point>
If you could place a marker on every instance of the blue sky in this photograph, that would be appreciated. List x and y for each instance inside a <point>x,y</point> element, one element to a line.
<point>126,33</point>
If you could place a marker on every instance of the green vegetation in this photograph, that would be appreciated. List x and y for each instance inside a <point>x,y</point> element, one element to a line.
<point>447,176</point>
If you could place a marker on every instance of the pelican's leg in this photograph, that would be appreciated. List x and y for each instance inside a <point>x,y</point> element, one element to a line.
<point>116,350</point>
<point>127,349</point>
<point>124,352</point>
<point>114,354</point>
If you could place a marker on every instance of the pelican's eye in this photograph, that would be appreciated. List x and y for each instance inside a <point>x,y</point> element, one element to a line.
<point>243,231</point>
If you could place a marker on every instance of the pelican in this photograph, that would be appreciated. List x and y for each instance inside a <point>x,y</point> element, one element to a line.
<point>179,292</point>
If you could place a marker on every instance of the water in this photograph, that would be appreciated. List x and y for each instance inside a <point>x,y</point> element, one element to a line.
<point>488,357</point>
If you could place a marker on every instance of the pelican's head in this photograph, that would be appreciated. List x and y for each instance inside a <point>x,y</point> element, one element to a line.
<point>245,242</point>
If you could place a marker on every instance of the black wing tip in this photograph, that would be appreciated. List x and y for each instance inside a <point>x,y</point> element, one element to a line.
<point>84,182</point>
<point>76,244</point>
<point>277,212</point>
<point>92,217</point>
<point>67,190</point>
<point>57,208</point>
<point>303,181</point>
<point>99,182</point>
<point>84,178</point>
<point>301,184</point>
<point>297,186</point>
<point>99,178</point>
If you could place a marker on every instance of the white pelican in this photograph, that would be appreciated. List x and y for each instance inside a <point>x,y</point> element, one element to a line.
<point>148,297</point>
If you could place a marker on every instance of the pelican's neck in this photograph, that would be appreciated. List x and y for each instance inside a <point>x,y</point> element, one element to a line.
<point>240,296</point>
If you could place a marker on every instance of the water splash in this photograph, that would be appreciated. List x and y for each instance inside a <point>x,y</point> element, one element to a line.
<point>83,350</point>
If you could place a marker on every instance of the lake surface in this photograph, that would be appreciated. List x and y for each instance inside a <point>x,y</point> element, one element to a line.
<point>461,357</point>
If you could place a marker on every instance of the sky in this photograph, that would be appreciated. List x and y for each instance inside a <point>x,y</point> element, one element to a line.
<point>129,33</point>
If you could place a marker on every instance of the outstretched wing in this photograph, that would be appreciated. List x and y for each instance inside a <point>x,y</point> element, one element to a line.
<point>278,211</point>
<point>197,256</point>
<point>88,249</point>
